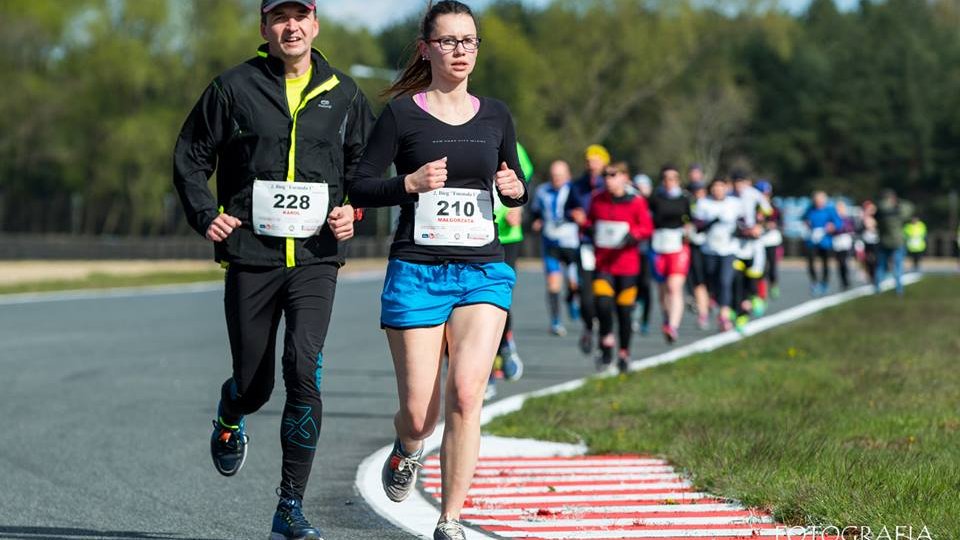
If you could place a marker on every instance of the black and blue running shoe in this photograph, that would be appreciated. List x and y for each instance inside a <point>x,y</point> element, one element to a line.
<point>228,446</point>
<point>289,523</point>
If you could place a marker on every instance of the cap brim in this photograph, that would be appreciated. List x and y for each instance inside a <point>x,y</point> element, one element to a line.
<point>307,4</point>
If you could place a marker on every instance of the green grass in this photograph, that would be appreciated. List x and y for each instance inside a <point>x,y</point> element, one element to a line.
<point>106,281</point>
<point>847,418</point>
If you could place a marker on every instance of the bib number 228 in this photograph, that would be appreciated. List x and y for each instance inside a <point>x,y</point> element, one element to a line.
<point>291,202</point>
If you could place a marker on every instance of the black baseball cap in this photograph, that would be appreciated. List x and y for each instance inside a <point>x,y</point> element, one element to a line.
<point>267,5</point>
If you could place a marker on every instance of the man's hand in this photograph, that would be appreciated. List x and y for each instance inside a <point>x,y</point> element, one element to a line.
<point>221,227</point>
<point>537,225</point>
<point>341,222</point>
<point>578,216</point>
<point>509,183</point>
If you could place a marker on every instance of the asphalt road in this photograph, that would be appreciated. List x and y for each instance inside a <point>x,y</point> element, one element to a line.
<point>106,403</point>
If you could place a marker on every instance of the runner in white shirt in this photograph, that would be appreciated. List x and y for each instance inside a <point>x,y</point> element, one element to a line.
<point>717,217</point>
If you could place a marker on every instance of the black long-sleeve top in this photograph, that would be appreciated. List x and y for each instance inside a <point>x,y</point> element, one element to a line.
<point>410,137</point>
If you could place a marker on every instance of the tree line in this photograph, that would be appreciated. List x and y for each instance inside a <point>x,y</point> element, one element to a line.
<point>848,101</point>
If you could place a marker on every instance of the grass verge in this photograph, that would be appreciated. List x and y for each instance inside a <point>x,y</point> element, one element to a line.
<point>107,281</point>
<point>847,418</point>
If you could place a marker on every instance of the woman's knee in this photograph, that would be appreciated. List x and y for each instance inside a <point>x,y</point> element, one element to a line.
<point>419,424</point>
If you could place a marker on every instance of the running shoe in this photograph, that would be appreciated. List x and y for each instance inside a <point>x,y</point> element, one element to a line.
<point>741,323</point>
<point>670,334</point>
<point>815,290</point>
<point>623,362</point>
<point>586,342</point>
<point>491,391</point>
<point>497,368</point>
<point>759,307</point>
<point>400,473</point>
<point>289,523</point>
<point>512,367</point>
<point>725,324</point>
<point>703,322</point>
<point>775,292</point>
<point>604,360</point>
<point>449,529</point>
<point>558,329</point>
<point>573,311</point>
<point>228,446</point>
<point>644,329</point>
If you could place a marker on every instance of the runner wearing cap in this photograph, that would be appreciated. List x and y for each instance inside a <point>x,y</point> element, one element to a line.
<point>578,205</point>
<point>277,222</point>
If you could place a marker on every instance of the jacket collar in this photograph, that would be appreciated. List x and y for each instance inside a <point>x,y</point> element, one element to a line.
<point>275,67</point>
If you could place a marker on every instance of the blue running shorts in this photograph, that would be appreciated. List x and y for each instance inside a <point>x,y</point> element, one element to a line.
<point>425,295</point>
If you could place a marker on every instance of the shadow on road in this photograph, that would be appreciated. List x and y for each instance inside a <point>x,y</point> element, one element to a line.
<point>64,533</point>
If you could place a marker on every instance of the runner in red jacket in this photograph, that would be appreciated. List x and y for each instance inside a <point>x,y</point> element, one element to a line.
<point>617,221</point>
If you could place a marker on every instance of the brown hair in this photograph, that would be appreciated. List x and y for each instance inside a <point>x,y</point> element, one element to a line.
<point>417,75</point>
<point>619,167</point>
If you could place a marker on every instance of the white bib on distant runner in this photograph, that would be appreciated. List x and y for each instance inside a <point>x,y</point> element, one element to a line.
<point>454,217</point>
<point>772,238</point>
<point>565,234</point>
<point>843,242</point>
<point>289,209</point>
<point>588,259</point>
<point>610,234</point>
<point>817,235</point>
<point>667,241</point>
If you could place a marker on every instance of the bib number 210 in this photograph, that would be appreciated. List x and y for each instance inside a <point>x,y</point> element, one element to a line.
<point>291,202</point>
<point>468,208</point>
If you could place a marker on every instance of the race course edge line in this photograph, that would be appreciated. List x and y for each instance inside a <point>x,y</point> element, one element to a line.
<point>152,290</point>
<point>416,514</point>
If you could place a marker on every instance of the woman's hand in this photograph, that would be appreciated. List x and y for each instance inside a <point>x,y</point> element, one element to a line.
<point>508,183</point>
<point>431,176</point>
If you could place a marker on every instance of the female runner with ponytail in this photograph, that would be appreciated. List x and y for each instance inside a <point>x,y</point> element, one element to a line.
<point>447,288</point>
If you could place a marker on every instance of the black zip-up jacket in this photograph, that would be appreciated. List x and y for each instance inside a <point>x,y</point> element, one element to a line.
<point>242,128</point>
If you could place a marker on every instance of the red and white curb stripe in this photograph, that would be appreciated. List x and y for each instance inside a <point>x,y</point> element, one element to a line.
<point>419,516</point>
<point>596,497</point>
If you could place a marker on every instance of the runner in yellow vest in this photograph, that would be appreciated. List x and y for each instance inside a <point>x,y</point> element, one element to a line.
<point>510,233</point>
<point>915,233</point>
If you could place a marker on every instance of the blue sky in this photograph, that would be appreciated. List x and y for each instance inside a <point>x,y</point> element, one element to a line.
<point>377,13</point>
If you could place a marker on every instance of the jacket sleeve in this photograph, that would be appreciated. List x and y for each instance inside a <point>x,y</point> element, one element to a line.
<point>367,187</point>
<point>356,133</point>
<point>195,156</point>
